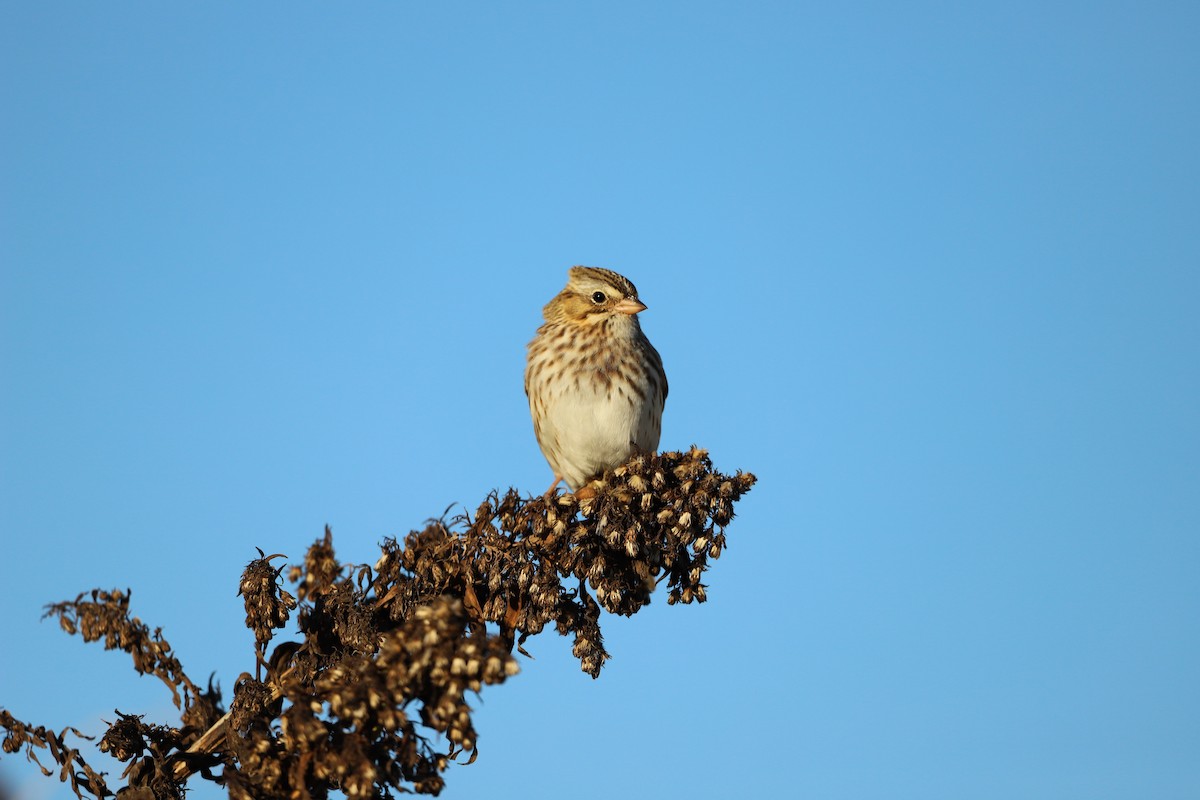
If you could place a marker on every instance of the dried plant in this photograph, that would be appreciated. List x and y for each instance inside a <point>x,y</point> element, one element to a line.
<point>372,699</point>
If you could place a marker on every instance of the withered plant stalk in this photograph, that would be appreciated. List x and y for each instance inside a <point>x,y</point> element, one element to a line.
<point>372,698</point>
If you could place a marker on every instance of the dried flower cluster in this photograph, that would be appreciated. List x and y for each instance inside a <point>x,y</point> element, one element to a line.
<point>372,698</point>
<point>106,617</point>
<point>74,770</point>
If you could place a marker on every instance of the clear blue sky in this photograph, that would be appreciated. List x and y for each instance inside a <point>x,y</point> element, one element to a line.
<point>930,270</point>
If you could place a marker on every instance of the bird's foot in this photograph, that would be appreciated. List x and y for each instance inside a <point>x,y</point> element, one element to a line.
<point>586,493</point>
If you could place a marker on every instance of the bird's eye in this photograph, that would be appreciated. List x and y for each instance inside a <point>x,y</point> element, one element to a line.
<point>598,297</point>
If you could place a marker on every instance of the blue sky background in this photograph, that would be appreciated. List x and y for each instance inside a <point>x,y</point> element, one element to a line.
<point>930,270</point>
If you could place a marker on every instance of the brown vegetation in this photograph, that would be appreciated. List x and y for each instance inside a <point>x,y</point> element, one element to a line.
<point>372,698</point>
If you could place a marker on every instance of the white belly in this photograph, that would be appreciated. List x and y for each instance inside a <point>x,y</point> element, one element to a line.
<point>586,432</point>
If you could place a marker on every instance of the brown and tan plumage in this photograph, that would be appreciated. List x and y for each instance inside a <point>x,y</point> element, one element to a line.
<point>596,385</point>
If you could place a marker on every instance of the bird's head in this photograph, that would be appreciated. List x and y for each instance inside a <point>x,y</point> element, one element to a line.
<point>593,295</point>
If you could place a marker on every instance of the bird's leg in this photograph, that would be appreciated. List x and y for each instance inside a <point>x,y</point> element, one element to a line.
<point>550,492</point>
<point>585,492</point>
<point>636,449</point>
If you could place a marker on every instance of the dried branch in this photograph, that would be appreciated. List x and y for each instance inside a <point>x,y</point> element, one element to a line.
<point>387,654</point>
<point>106,616</point>
<point>73,768</point>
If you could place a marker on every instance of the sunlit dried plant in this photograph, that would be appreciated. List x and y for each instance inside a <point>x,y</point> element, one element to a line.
<point>372,698</point>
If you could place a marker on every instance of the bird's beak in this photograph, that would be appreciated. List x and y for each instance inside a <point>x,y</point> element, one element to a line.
<point>629,306</point>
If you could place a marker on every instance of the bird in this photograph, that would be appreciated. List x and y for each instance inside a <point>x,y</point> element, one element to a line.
<point>595,384</point>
